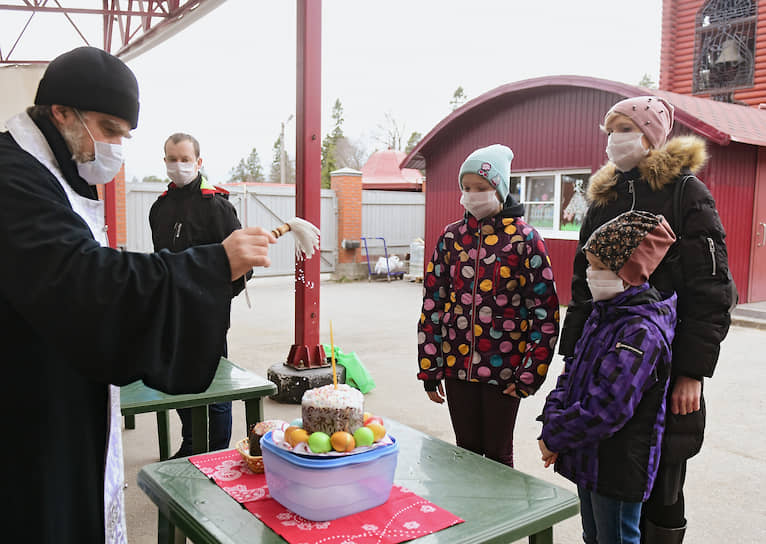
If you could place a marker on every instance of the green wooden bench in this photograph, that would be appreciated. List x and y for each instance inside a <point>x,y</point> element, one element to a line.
<point>229,384</point>
<point>499,504</point>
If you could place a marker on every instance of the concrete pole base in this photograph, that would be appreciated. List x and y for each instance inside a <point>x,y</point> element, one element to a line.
<point>292,383</point>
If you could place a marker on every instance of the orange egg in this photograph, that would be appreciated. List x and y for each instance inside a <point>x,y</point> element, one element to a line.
<point>297,436</point>
<point>289,431</point>
<point>342,441</point>
<point>378,430</point>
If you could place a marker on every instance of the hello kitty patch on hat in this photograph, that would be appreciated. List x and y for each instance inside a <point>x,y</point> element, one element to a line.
<point>493,163</point>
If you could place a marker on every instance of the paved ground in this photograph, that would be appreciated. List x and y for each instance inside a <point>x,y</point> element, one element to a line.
<point>377,321</point>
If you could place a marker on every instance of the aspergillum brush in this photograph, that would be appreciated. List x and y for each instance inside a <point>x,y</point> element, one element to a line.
<point>305,233</point>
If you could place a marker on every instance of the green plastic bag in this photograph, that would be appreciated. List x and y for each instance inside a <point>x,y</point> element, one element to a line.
<point>356,375</point>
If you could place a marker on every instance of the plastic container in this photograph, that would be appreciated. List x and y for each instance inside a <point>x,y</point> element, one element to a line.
<point>327,488</point>
<point>417,250</point>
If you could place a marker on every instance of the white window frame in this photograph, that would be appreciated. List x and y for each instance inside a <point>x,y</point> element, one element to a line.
<point>555,233</point>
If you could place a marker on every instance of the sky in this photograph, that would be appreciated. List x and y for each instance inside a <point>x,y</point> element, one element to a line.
<point>229,79</point>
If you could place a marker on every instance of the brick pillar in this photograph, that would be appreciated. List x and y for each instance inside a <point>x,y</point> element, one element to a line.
<point>115,210</point>
<point>122,208</point>
<point>347,184</point>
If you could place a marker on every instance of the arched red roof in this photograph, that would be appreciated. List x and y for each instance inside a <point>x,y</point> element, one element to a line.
<point>717,121</point>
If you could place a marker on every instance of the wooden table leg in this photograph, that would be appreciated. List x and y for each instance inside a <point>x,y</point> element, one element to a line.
<point>199,430</point>
<point>163,433</point>
<point>543,537</point>
<point>130,422</point>
<point>253,413</point>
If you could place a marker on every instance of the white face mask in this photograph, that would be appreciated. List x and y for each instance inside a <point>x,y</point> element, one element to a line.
<point>625,149</point>
<point>604,284</point>
<point>480,204</point>
<point>181,173</point>
<point>106,164</point>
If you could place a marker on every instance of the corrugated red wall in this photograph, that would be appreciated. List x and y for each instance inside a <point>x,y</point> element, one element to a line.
<point>558,128</point>
<point>677,53</point>
<point>730,176</point>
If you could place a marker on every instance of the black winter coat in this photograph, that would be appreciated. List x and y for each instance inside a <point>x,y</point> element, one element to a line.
<point>74,318</point>
<point>696,268</point>
<point>193,215</point>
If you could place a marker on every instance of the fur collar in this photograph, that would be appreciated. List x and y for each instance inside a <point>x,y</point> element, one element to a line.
<point>659,168</point>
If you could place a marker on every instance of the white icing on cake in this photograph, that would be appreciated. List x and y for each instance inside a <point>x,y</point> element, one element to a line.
<point>329,410</point>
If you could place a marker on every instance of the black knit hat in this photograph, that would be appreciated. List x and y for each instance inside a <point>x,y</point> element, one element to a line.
<point>90,79</point>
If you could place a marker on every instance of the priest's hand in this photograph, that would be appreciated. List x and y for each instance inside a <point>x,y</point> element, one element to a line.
<point>247,248</point>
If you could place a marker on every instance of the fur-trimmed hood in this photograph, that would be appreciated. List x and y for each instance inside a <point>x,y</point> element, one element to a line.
<point>659,168</point>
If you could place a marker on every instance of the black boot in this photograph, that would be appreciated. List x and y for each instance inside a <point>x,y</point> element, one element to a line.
<point>653,534</point>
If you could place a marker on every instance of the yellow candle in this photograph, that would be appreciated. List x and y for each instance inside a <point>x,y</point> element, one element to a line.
<point>332,356</point>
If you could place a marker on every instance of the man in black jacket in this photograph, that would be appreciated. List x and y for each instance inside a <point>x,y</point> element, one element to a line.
<point>644,169</point>
<point>194,212</point>
<point>78,318</point>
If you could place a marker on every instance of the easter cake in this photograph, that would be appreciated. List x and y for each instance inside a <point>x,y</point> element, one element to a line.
<point>329,409</point>
<point>258,430</point>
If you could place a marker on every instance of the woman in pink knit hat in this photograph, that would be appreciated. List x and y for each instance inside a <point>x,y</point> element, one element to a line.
<point>645,167</point>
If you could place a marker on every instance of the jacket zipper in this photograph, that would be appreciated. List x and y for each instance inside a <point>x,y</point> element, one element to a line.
<point>628,347</point>
<point>711,245</point>
<point>632,191</point>
<point>176,232</point>
<point>473,303</point>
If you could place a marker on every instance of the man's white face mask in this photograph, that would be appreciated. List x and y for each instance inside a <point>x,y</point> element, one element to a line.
<point>106,164</point>
<point>603,284</point>
<point>181,173</point>
<point>625,149</point>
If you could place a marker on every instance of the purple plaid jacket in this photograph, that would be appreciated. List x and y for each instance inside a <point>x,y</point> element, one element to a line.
<point>606,416</point>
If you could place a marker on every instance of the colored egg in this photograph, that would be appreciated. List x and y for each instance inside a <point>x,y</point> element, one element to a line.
<point>366,416</point>
<point>298,436</point>
<point>297,422</point>
<point>378,430</point>
<point>290,431</point>
<point>364,436</point>
<point>342,441</point>
<point>319,442</point>
<point>374,419</point>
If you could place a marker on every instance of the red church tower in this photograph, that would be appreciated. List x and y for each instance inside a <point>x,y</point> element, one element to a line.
<point>715,49</point>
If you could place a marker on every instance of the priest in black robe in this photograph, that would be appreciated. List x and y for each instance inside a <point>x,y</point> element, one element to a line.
<point>77,318</point>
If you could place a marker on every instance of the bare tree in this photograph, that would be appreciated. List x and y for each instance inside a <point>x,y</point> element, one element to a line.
<point>391,132</point>
<point>350,154</point>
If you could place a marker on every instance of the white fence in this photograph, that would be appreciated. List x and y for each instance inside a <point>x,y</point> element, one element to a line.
<point>399,217</point>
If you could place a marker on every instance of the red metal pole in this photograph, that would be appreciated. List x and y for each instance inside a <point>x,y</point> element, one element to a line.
<point>307,352</point>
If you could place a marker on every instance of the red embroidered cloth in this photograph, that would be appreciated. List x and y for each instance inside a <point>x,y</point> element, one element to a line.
<point>404,516</point>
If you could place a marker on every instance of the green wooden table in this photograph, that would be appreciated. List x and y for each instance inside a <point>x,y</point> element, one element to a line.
<point>498,504</point>
<point>230,383</point>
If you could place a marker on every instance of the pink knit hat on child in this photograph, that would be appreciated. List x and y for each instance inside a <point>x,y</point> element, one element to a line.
<point>652,114</point>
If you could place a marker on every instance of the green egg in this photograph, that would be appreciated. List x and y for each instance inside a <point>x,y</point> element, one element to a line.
<point>297,422</point>
<point>319,442</point>
<point>364,436</point>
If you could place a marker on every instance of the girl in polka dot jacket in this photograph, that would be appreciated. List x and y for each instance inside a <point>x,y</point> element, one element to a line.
<point>490,316</point>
